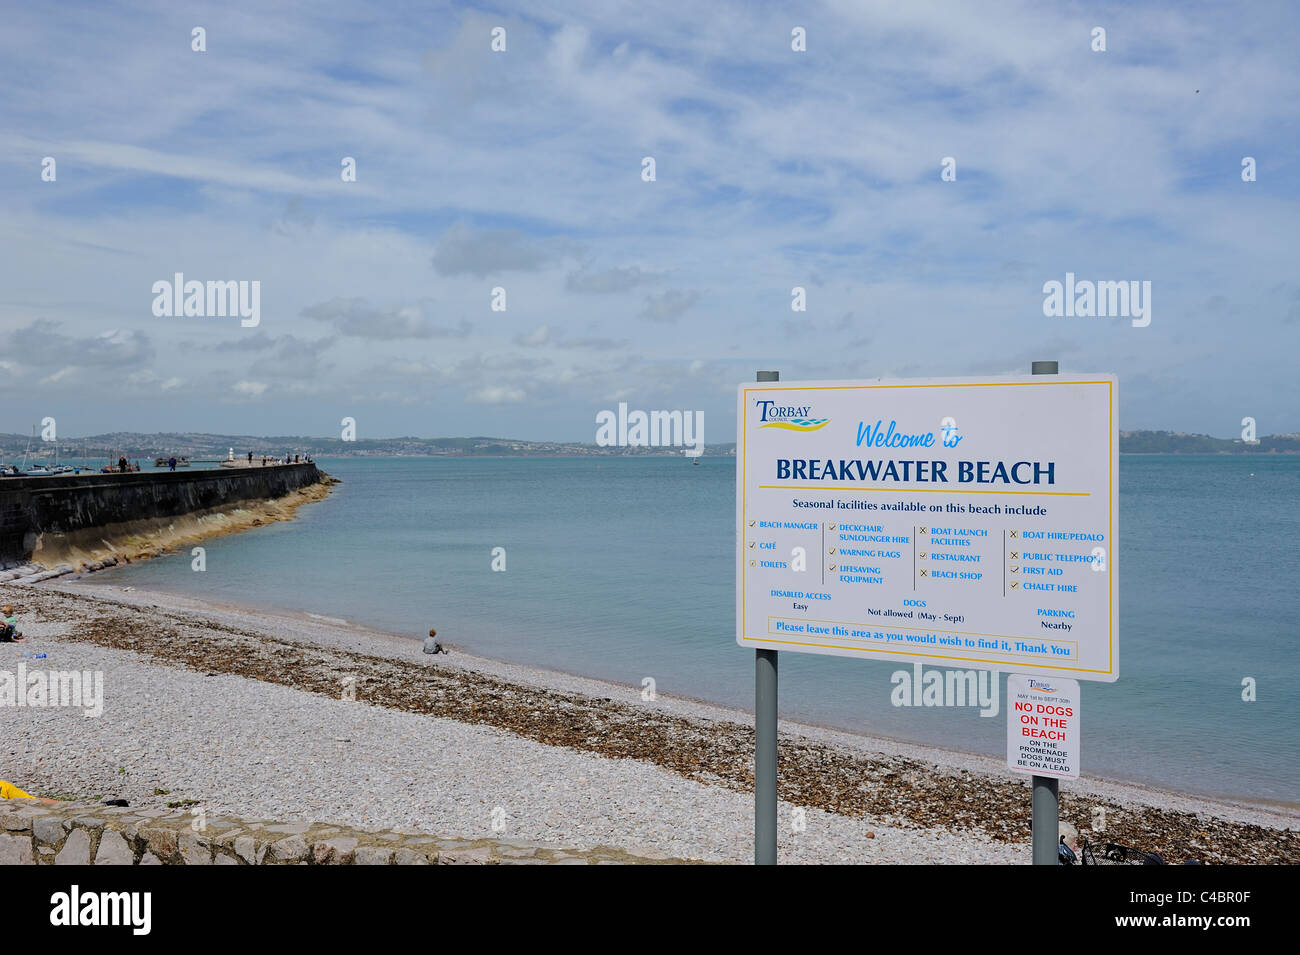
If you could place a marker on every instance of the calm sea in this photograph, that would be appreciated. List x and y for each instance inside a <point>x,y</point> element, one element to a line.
<point>624,568</point>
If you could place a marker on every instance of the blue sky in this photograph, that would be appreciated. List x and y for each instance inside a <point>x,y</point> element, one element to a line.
<point>522,169</point>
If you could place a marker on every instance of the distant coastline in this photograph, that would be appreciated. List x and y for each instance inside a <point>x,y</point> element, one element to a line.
<point>135,445</point>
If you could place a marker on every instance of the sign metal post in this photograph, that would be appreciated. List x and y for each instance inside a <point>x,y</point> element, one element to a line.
<point>765,674</point>
<point>1046,825</point>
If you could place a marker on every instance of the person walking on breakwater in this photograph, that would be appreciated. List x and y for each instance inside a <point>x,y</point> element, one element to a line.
<point>250,457</point>
<point>121,464</point>
<point>9,632</point>
<point>171,462</point>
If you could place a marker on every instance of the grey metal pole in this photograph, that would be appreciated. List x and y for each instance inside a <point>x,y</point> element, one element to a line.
<point>765,674</point>
<point>1046,806</point>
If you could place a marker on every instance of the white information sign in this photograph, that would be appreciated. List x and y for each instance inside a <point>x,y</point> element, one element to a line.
<point>1043,726</point>
<point>959,522</point>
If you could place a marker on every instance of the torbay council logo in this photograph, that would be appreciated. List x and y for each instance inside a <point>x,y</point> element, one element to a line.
<point>787,417</point>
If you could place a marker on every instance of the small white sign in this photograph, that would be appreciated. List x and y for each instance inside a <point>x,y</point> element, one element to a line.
<point>1043,726</point>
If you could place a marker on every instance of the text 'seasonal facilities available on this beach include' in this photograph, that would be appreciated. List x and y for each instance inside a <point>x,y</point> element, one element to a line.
<point>969,521</point>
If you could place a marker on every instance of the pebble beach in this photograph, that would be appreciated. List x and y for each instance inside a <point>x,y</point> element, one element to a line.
<point>252,712</point>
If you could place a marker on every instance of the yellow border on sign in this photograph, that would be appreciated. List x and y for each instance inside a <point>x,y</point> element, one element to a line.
<point>1110,478</point>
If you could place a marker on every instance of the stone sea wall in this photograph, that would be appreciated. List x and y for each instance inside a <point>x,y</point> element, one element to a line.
<point>35,833</point>
<point>54,514</point>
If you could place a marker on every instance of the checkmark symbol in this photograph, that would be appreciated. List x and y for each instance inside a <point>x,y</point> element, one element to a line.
<point>751,523</point>
<point>1015,584</point>
<point>831,527</point>
<point>831,551</point>
<point>832,567</point>
<point>923,555</point>
<point>752,563</point>
<point>1015,570</point>
<point>751,545</point>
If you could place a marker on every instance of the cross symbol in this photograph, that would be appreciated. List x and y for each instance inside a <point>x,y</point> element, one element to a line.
<point>922,573</point>
<point>1015,555</point>
<point>1015,534</point>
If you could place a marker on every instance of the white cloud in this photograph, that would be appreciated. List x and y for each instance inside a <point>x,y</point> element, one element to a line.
<point>250,389</point>
<point>497,395</point>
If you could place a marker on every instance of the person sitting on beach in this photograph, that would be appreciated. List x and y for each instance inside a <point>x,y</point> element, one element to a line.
<point>9,632</point>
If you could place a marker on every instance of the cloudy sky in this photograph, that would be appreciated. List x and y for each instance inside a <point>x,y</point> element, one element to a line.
<point>522,169</point>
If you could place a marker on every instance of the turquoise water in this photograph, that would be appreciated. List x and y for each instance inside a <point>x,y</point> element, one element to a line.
<point>625,568</point>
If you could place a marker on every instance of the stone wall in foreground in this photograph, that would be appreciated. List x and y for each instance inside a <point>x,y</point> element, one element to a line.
<point>35,833</point>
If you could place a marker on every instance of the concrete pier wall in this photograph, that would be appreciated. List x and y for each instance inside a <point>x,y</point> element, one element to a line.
<point>34,506</point>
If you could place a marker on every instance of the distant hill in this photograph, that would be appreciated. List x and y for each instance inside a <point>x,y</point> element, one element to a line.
<point>217,446</point>
<point>1177,442</point>
<point>102,447</point>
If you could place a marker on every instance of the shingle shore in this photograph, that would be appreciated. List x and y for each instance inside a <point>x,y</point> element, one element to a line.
<point>694,772</point>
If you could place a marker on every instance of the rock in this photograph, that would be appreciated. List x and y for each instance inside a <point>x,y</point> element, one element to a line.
<point>12,822</point>
<point>372,855</point>
<point>292,828</point>
<point>480,856</point>
<point>246,849</point>
<point>15,850</point>
<point>223,859</point>
<point>48,829</point>
<point>336,851</point>
<point>113,850</point>
<point>162,842</point>
<point>406,856</point>
<point>287,850</point>
<point>76,851</point>
<point>195,850</point>
<point>150,859</point>
<point>517,852</point>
